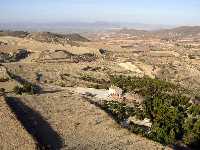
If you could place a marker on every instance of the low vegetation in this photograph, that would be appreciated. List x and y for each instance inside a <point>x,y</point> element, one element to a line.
<point>96,82</point>
<point>26,88</point>
<point>120,111</point>
<point>173,117</point>
<point>14,57</point>
<point>86,57</point>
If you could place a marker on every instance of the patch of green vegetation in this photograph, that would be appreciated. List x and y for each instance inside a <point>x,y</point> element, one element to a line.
<point>120,111</point>
<point>192,132</point>
<point>26,88</point>
<point>138,129</point>
<point>165,104</point>
<point>167,124</point>
<point>146,86</point>
<point>194,110</point>
<point>97,83</point>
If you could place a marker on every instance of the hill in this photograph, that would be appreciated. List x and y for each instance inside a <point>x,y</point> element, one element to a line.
<point>184,31</point>
<point>20,34</point>
<point>48,37</point>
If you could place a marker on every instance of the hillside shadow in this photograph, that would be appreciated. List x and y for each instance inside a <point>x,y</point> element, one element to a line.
<point>35,124</point>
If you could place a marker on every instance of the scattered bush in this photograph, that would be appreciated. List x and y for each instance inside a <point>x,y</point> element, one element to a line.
<point>20,54</point>
<point>145,86</point>
<point>119,110</point>
<point>166,105</point>
<point>194,110</point>
<point>18,90</point>
<point>86,57</point>
<point>192,132</point>
<point>98,83</point>
<point>26,88</point>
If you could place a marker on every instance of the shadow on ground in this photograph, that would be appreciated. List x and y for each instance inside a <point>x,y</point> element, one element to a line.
<point>35,124</point>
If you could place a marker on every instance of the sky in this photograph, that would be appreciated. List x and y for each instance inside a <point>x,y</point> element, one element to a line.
<point>169,12</point>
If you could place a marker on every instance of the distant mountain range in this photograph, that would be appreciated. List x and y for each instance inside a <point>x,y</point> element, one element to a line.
<point>78,26</point>
<point>184,31</point>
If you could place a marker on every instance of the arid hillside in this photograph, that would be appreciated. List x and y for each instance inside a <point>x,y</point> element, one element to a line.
<point>124,89</point>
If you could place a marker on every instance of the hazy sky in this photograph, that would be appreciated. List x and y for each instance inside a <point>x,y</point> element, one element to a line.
<point>143,11</point>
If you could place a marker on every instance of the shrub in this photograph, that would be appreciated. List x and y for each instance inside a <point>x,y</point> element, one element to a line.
<point>167,125</point>
<point>194,110</point>
<point>192,132</point>
<point>18,90</point>
<point>165,104</point>
<point>98,83</point>
<point>120,111</point>
<point>26,88</point>
<point>145,86</point>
